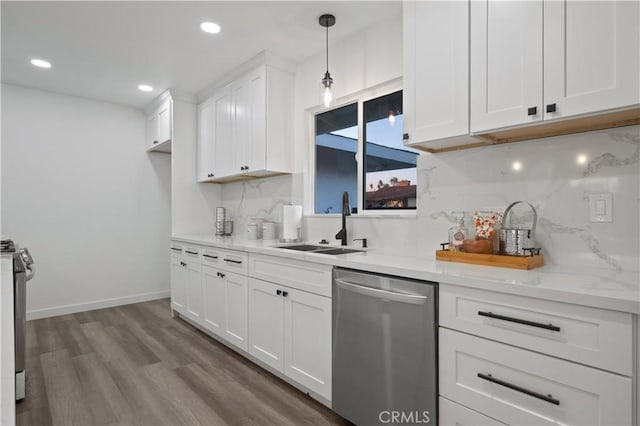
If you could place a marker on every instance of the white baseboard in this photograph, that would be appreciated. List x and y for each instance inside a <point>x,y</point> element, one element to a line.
<point>98,304</point>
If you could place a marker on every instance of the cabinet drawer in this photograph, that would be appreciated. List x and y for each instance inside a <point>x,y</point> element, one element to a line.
<point>306,276</point>
<point>188,251</point>
<point>452,414</point>
<point>229,260</point>
<point>591,336</point>
<point>520,387</point>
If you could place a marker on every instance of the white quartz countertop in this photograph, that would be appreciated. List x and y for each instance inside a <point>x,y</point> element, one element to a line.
<point>602,288</point>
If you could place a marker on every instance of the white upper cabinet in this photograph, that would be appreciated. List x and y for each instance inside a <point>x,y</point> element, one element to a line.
<point>152,130</point>
<point>591,56</point>
<point>543,60</point>
<point>506,63</point>
<point>250,129</point>
<point>436,72</point>
<point>159,128</point>
<point>164,122</point>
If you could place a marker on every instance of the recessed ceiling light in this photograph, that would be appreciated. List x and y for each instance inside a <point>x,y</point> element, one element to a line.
<point>581,159</point>
<point>517,166</point>
<point>40,63</point>
<point>145,87</point>
<point>210,27</point>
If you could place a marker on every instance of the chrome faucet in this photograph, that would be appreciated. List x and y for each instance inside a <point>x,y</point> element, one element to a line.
<point>346,211</point>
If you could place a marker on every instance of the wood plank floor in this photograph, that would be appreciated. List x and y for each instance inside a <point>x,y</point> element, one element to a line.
<point>135,365</point>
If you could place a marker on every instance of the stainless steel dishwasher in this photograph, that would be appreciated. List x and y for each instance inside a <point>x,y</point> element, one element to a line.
<point>384,349</point>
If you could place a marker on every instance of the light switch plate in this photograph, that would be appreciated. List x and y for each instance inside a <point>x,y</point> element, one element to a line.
<point>601,207</point>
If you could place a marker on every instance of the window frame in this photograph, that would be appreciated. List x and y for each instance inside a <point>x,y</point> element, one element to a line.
<point>360,98</point>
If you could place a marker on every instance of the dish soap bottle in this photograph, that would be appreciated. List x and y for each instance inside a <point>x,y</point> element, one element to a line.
<point>458,233</point>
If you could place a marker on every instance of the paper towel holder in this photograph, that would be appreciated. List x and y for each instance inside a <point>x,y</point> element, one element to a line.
<point>298,232</point>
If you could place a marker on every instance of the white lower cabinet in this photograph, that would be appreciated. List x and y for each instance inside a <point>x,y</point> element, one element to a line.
<point>236,313</point>
<point>307,340</point>
<point>266,323</point>
<point>225,305</point>
<point>452,414</point>
<point>520,387</point>
<point>213,294</point>
<point>291,332</point>
<point>178,284</point>
<point>194,291</point>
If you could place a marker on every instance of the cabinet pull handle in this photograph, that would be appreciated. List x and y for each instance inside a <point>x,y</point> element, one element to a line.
<point>532,111</point>
<point>548,398</point>
<point>220,274</point>
<point>155,142</point>
<point>551,108</point>
<point>176,249</point>
<point>285,294</point>
<point>209,256</point>
<point>405,136</point>
<point>246,167</point>
<point>241,167</point>
<point>519,321</point>
<point>233,261</point>
<point>183,264</point>
<point>278,292</point>
<point>191,252</point>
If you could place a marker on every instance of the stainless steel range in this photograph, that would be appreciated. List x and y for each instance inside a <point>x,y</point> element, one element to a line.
<point>23,271</point>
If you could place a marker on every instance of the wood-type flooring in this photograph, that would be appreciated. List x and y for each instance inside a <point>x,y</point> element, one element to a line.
<point>135,365</point>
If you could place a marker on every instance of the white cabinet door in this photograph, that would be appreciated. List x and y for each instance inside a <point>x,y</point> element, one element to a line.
<point>236,321</point>
<point>307,337</point>
<point>164,122</point>
<point>178,284</point>
<point>152,130</point>
<point>255,150</point>
<point>436,70</point>
<point>266,323</point>
<point>223,150</point>
<point>591,51</point>
<point>206,141</point>
<point>506,63</point>
<point>194,291</point>
<point>214,300</point>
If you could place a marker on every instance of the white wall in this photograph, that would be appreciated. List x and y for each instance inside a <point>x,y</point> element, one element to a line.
<point>194,204</point>
<point>79,190</point>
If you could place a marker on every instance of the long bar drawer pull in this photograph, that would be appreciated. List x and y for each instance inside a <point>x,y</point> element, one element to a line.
<point>209,256</point>
<point>548,398</point>
<point>176,249</point>
<point>191,252</point>
<point>233,261</point>
<point>519,321</point>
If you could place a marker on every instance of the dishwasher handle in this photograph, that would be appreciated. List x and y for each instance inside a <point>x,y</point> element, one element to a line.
<point>413,299</point>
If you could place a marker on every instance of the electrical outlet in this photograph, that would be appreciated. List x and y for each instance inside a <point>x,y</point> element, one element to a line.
<point>601,207</point>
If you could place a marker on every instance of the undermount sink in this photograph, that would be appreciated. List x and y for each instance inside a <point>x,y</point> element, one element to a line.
<point>320,249</point>
<point>303,247</point>
<point>338,251</point>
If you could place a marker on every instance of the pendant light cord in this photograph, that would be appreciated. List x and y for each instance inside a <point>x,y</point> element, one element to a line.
<point>327,46</point>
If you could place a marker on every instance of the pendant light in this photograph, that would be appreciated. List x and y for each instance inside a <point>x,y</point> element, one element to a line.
<point>328,97</point>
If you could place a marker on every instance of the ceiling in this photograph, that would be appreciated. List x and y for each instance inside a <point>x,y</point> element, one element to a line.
<point>103,50</point>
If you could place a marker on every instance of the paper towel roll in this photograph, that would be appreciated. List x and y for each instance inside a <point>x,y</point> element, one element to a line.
<point>291,222</point>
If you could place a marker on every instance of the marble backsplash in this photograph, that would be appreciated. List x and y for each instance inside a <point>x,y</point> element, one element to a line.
<point>555,174</point>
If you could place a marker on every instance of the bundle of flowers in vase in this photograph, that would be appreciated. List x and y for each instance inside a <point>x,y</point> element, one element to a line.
<point>485,224</point>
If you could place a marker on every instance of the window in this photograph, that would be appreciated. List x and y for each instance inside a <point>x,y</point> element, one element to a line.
<point>385,178</point>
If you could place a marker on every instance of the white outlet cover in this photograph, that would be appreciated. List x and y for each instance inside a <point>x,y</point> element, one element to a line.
<point>601,207</point>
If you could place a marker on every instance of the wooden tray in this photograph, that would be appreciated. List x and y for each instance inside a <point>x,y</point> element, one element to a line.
<point>516,262</point>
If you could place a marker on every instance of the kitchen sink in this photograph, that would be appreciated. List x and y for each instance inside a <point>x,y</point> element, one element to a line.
<point>338,251</point>
<point>303,247</point>
<point>320,249</point>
